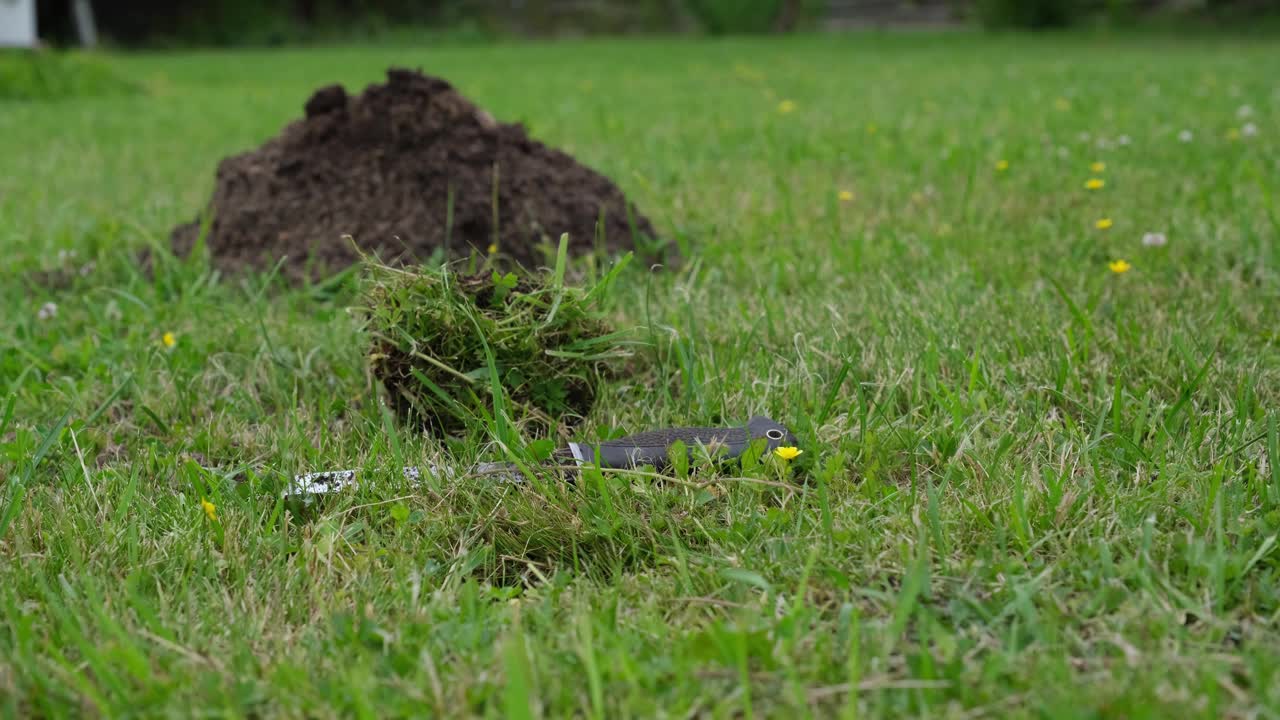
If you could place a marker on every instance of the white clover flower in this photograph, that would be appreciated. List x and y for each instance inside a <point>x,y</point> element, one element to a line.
<point>1249,130</point>
<point>47,311</point>
<point>1185,136</point>
<point>1154,239</point>
<point>1123,140</point>
<point>1244,111</point>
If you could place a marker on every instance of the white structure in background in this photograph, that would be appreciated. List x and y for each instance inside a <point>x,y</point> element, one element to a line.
<point>18,23</point>
<point>86,28</point>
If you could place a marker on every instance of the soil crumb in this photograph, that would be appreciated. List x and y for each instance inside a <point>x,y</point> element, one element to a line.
<point>407,169</point>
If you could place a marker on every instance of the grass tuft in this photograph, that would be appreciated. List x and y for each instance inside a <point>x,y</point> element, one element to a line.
<point>440,337</point>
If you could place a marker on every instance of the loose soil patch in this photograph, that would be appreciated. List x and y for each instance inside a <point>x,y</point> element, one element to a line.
<point>408,169</point>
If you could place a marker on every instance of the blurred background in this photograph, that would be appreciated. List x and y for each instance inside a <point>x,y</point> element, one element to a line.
<point>160,23</point>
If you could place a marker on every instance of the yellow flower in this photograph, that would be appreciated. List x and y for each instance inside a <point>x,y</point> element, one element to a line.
<point>210,509</point>
<point>1098,166</point>
<point>1119,266</point>
<point>168,340</point>
<point>493,248</point>
<point>846,195</point>
<point>787,453</point>
<point>1103,224</point>
<point>787,106</point>
<point>1095,184</point>
<point>1233,134</point>
<point>1002,165</point>
<point>1062,104</point>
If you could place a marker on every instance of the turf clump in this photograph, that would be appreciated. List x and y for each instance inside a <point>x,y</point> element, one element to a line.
<point>454,349</point>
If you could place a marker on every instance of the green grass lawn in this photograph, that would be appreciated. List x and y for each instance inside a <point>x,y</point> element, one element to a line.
<point>1031,486</point>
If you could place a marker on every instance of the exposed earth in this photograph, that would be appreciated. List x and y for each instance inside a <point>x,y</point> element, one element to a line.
<point>404,169</point>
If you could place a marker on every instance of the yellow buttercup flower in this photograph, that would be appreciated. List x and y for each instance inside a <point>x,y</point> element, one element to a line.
<point>787,106</point>
<point>168,340</point>
<point>1002,165</point>
<point>1098,166</point>
<point>1233,134</point>
<point>788,453</point>
<point>1103,224</point>
<point>1062,104</point>
<point>1119,267</point>
<point>210,510</point>
<point>845,195</point>
<point>493,248</point>
<point>1095,184</point>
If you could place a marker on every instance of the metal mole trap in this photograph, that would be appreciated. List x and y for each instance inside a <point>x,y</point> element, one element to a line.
<point>647,448</point>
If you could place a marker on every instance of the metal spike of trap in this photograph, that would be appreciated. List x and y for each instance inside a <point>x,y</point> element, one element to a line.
<point>647,448</point>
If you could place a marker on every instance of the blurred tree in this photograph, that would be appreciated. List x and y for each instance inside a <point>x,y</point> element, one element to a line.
<point>720,17</point>
<point>273,22</point>
<point>1034,14</point>
<point>232,22</point>
<point>788,16</point>
<point>1043,14</point>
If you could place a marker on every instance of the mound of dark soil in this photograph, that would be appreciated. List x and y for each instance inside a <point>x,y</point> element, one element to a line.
<point>406,168</point>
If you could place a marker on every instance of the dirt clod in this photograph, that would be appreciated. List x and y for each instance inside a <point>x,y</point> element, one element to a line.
<point>408,168</point>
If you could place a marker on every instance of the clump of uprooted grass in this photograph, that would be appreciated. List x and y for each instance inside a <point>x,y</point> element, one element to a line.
<point>456,349</point>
